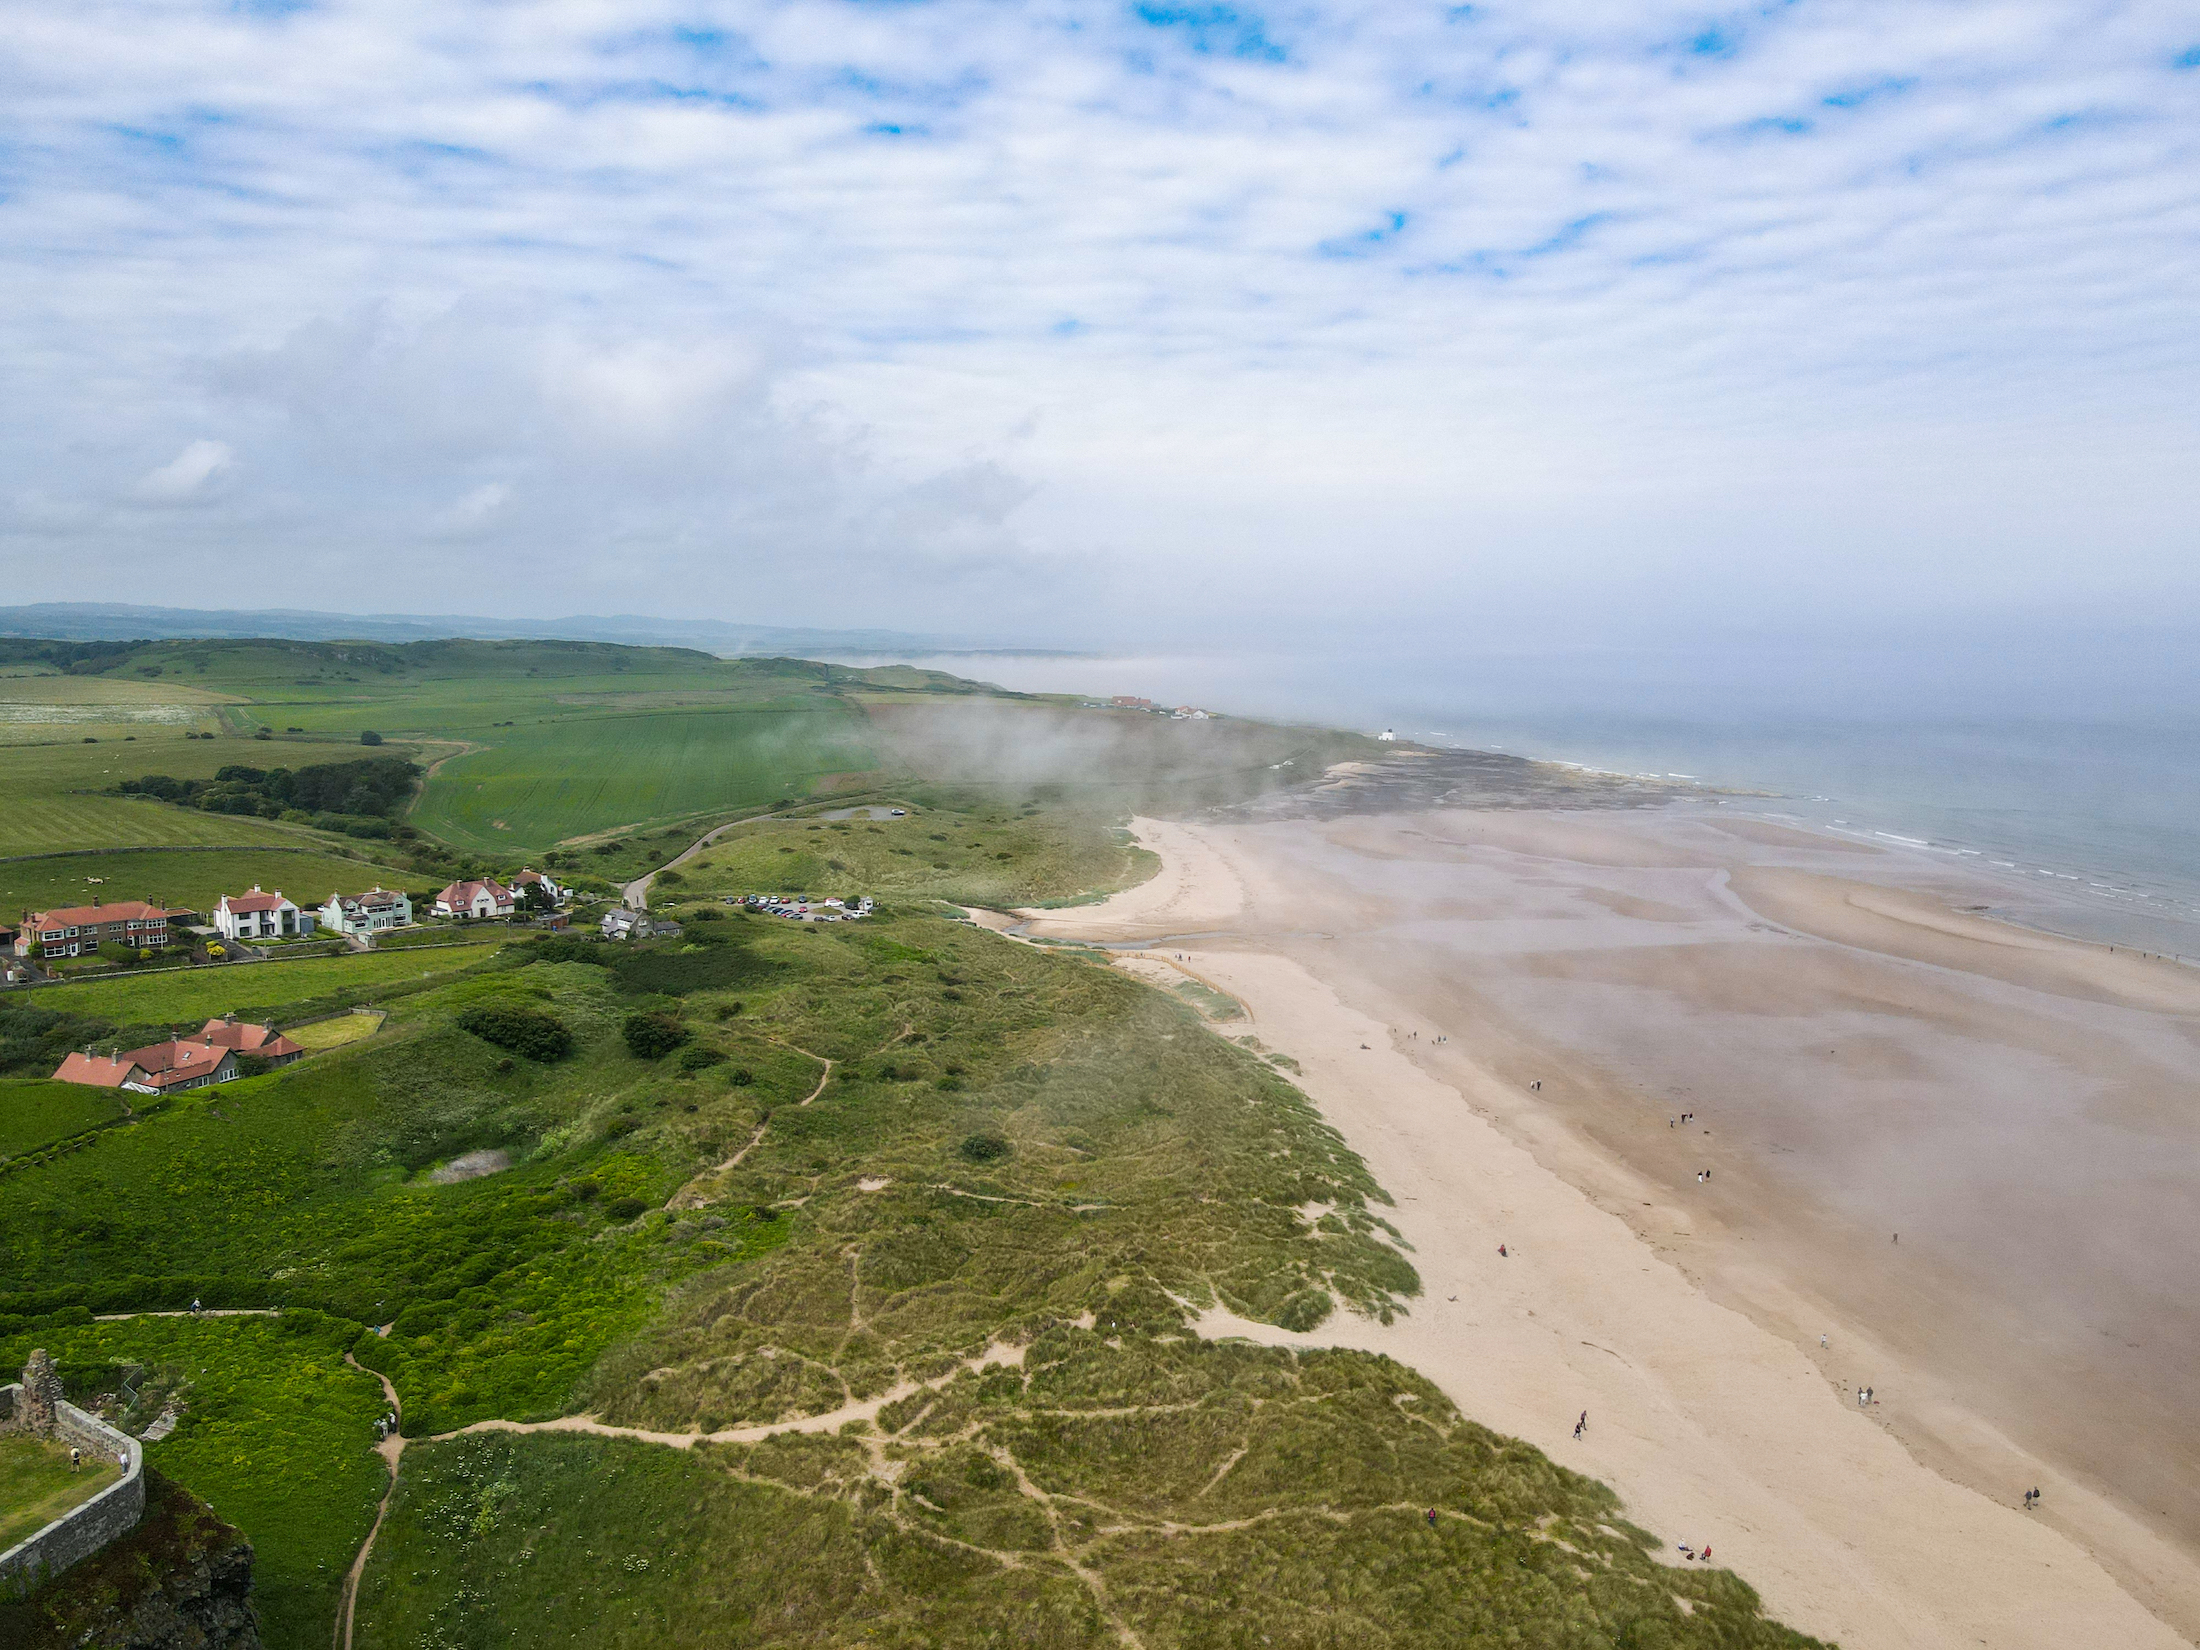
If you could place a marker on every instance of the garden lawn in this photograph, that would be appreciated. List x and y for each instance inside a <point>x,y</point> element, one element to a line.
<point>276,1435</point>
<point>249,989</point>
<point>37,1487</point>
<point>335,1032</point>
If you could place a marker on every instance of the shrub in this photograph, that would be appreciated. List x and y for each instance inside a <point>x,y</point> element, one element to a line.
<point>528,1031</point>
<point>263,734</point>
<point>625,1208</point>
<point>116,952</point>
<point>743,1077</point>
<point>653,1034</point>
<point>984,1147</point>
<point>701,1059</point>
<point>370,738</point>
<point>670,878</point>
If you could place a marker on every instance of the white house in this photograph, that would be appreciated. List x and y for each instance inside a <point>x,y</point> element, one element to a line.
<point>260,916</point>
<point>489,898</point>
<point>373,912</point>
<point>623,924</point>
<point>532,878</point>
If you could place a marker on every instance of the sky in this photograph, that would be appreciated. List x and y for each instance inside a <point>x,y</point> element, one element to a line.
<point>1143,325</point>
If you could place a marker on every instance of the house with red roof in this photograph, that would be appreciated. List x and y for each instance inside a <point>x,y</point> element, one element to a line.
<point>77,929</point>
<point>260,916</point>
<point>485,898</point>
<point>161,1068</point>
<point>261,1042</point>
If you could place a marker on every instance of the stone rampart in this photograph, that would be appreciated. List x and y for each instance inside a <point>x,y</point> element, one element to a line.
<point>83,1529</point>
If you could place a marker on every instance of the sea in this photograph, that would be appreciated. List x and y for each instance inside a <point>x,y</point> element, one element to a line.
<point>2077,788</point>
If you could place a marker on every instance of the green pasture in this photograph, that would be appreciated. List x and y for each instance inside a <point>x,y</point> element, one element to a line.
<point>544,784</point>
<point>51,801</point>
<point>276,1434</point>
<point>35,1112</point>
<point>249,989</point>
<point>186,879</point>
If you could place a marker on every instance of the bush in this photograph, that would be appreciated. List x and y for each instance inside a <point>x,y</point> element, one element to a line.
<point>670,878</point>
<point>743,1077</point>
<point>984,1147</point>
<point>527,1031</point>
<point>625,1208</point>
<point>116,952</point>
<point>653,1034</point>
<point>701,1059</point>
<point>370,738</point>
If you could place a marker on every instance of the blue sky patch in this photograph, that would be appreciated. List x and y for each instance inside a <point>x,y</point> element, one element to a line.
<point>1220,31</point>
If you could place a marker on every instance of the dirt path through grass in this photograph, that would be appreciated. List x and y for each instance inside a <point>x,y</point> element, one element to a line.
<point>389,1449</point>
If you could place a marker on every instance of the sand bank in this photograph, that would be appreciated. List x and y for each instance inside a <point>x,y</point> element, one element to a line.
<point>1851,1043</point>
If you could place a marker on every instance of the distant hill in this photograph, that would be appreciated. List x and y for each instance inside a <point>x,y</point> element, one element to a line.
<point>118,622</point>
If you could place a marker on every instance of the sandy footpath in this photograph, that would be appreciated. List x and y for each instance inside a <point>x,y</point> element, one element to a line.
<point>1713,1424</point>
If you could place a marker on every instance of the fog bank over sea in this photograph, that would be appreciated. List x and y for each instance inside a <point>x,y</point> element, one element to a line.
<point>2074,772</point>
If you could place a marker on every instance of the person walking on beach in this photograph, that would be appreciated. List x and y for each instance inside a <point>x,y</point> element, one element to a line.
<point>1501,1253</point>
<point>1581,1426</point>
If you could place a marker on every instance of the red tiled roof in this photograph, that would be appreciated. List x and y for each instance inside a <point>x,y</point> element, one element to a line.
<point>96,1069</point>
<point>462,893</point>
<point>255,901</point>
<point>247,1038</point>
<point>179,1061</point>
<point>83,916</point>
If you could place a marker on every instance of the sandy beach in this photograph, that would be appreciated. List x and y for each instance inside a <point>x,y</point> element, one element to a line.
<point>1962,1152</point>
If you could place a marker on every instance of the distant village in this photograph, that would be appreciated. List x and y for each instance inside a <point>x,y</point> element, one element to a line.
<point>1127,701</point>
<point>248,924</point>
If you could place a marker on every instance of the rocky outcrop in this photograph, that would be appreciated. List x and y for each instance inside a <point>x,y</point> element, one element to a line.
<point>182,1580</point>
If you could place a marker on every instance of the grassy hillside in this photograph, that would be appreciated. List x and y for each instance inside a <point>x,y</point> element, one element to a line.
<point>1010,1146</point>
<point>950,1200</point>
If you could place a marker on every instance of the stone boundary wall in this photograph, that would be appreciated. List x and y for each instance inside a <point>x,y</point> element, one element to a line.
<point>82,1530</point>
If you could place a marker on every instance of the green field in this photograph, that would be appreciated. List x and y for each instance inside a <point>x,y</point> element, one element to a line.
<point>190,880</point>
<point>34,1112</point>
<point>542,785</point>
<point>51,801</point>
<point>249,989</point>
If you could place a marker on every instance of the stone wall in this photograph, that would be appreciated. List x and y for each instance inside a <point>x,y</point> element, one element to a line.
<point>82,1530</point>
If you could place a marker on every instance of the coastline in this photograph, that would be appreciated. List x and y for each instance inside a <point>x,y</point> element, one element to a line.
<point>1686,1325</point>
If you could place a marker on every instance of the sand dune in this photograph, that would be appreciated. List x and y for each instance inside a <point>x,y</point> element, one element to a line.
<point>1866,1055</point>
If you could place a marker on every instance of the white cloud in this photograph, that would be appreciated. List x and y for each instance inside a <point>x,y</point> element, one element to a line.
<point>189,477</point>
<point>747,303</point>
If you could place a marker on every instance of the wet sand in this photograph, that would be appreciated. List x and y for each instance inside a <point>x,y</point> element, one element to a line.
<point>1864,1056</point>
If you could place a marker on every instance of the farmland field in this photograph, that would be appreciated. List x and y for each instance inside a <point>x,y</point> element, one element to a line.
<point>547,783</point>
<point>248,988</point>
<point>51,801</point>
<point>184,879</point>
